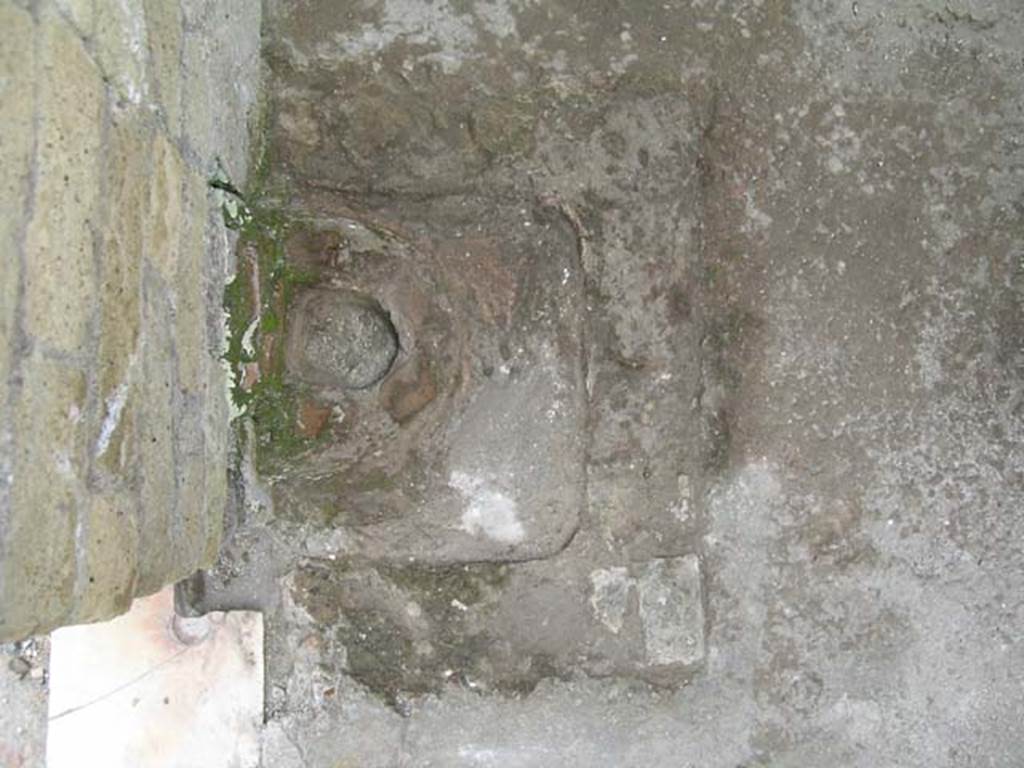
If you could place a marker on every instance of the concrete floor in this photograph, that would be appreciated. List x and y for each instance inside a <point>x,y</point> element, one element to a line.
<point>768,259</point>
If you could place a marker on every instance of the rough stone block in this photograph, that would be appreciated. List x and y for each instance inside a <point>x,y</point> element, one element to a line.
<point>166,209</point>
<point>460,482</point>
<point>81,13</point>
<point>128,170</point>
<point>120,46</point>
<point>115,431</point>
<point>219,267</point>
<point>609,597</point>
<point>202,446</point>
<point>17,57</point>
<point>197,12</point>
<point>156,441</point>
<point>217,415</point>
<point>115,265</point>
<point>220,80</point>
<point>164,33</point>
<point>189,529</point>
<point>672,611</point>
<point>189,286</point>
<point>109,541</point>
<point>216,505</point>
<point>38,567</point>
<point>197,102</point>
<point>190,511</point>
<point>60,279</point>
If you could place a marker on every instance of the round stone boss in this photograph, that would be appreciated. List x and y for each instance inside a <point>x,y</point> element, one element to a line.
<point>340,338</point>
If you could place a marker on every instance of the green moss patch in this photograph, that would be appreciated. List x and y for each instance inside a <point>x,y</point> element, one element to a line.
<point>255,348</point>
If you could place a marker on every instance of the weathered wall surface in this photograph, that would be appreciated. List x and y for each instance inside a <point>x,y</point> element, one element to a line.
<point>113,259</point>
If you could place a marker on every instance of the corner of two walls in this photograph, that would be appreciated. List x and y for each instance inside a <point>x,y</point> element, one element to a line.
<point>113,259</point>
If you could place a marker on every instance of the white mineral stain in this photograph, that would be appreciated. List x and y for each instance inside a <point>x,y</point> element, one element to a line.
<point>488,511</point>
<point>115,405</point>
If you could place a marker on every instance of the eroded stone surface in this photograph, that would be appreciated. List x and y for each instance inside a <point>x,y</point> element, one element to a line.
<point>672,611</point>
<point>799,232</point>
<point>340,339</point>
<point>475,452</point>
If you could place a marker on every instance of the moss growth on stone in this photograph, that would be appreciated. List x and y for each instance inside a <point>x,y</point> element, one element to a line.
<point>395,657</point>
<point>255,334</point>
<point>438,588</point>
<point>504,127</point>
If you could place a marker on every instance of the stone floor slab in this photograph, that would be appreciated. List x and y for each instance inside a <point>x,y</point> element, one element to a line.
<point>152,689</point>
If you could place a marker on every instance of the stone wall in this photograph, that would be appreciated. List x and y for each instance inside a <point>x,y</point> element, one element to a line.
<point>113,259</point>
